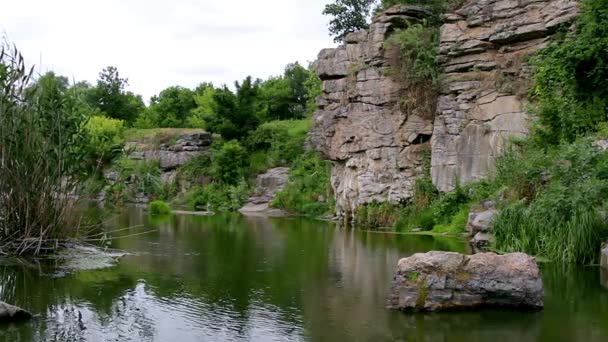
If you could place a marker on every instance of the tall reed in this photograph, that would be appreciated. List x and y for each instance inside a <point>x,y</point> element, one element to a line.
<point>39,132</point>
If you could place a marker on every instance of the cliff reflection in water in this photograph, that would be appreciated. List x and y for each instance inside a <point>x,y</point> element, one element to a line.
<point>230,277</point>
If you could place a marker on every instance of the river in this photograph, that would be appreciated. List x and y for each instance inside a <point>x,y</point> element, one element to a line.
<point>234,278</point>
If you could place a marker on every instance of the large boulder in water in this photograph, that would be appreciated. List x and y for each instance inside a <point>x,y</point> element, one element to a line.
<point>11,313</point>
<point>444,280</point>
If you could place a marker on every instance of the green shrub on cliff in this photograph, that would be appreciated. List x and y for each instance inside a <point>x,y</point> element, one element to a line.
<point>307,191</point>
<point>571,82</point>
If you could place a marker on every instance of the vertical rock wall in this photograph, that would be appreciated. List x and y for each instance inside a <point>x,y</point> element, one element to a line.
<point>377,148</point>
<point>360,126</point>
<point>483,53</point>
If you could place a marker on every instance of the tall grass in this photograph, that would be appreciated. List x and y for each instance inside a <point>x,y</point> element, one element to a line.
<point>555,202</point>
<point>38,161</point>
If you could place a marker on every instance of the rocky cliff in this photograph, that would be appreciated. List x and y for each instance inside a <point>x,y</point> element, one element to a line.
<point>377,147</point>
<point>483,52</point>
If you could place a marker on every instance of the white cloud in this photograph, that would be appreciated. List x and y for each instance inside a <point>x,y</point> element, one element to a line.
<point>157,44</point>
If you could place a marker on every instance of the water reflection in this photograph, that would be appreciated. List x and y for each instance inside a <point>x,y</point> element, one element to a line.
<point>229,277</point>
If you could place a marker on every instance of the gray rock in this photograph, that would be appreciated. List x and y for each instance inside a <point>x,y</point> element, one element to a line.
<point>268,184</point>
<point>141,198</point>
<point>481,222</point>
<point>602,144</point>
<point>11,313</point>
<point>172,156</point>
<point>112,177</point>
<point>482,239</point>
<point>446,281</point>
<point>376,145</point>
<point>485,76</point>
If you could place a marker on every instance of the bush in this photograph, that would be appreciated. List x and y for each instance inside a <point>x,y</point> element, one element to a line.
<point>105,139</point>
<point>220,197</point>
<point>159,208</point>
<point>136,177</point>
<point>557,201</point>
<point>229,162</point>
<point>571,82</point>
<point>415,65</point>
<point>308,181</point>
<point>277,143</point>
<point>376,215</point>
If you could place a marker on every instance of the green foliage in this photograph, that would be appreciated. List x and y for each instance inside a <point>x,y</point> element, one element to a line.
<point>347,16</point>
<point>277,143</point>
<point>557,201</point>
<point>40,129</point>
<point>416,66</point>
<point>171,108</point>
<point>376,215</point>
<point>110,97</point>
<point>307,191</point>
<point>571,82</point>
<point>159,208</point>
<point>136,177</point>
<point>229,163</point>
<point>220,197</point>
<point>286,97</point>
<point>419,46</point>
<point>105,139</point>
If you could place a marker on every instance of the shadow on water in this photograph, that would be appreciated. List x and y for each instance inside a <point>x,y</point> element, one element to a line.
<point>230,277</point>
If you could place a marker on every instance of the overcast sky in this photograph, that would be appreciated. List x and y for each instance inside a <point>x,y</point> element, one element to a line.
<point>156,44</point>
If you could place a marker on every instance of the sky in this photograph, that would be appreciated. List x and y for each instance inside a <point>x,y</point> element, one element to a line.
<point>157,44</point>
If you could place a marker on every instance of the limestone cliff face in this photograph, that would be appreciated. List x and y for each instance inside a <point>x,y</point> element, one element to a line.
<point>360,125</point>
<point>377,148</point>
<point>483,52</point>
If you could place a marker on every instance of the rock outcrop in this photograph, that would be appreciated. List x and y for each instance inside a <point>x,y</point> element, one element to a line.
<point>268,184</point>
<point>376,148</point>
<point>483,51</point>
<point>179,153</point>
<point>447,281</point>
<point>11,313</point>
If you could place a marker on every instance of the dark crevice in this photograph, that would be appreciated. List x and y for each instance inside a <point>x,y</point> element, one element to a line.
<point>422,139</point>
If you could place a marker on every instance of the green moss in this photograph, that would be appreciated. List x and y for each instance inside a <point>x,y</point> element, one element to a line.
<point>423,293</point>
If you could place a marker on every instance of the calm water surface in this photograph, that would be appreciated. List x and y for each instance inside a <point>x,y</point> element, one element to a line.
<point>232,278</point>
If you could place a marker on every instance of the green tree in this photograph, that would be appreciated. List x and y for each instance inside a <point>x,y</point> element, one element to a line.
<point>347,16</point>
<point>173,106</point>
<point>285,97</point>
<point>110,97</point>
<point>235,115</point>
<point>229,162</point>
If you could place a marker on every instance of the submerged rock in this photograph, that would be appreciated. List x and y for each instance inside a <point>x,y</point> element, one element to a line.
<point>482,239</point>
<point>447,281</point>
<point>11,313</point>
